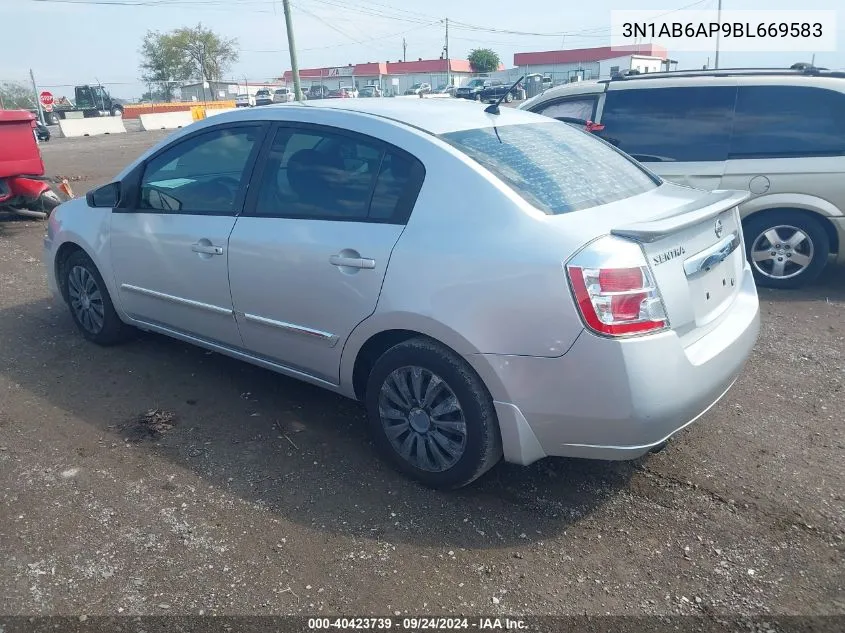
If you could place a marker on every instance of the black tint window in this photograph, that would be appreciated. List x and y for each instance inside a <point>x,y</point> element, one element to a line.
<point>395,181</point>
<point>200,175</point>
<point>670,124</point>
<point>787,121</point>
<point>322,175</point>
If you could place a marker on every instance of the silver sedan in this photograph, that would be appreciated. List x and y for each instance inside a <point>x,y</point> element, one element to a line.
<point>488,284</point>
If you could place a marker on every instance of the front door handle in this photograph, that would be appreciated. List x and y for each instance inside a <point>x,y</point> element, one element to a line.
<point>207,249</point>
<point>352,262</point>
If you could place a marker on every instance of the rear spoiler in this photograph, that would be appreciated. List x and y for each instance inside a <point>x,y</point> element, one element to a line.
<point>688,215</point>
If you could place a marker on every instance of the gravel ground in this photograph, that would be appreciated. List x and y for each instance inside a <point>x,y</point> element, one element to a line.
<point>157,478</point>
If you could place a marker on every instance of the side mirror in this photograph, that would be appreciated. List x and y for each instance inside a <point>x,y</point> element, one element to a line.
<point>106,196</point>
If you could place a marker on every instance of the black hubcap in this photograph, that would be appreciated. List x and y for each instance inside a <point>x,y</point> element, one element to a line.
<point>423,419</point>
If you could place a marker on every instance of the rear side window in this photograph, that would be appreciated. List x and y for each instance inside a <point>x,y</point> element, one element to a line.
<point>573,109</point>
<point>787,121</point>
<point>553,166</point>
<point>670,124</point>
<point>316,173</point>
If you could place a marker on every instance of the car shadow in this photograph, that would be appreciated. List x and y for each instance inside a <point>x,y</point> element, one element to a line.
<point>297,450</point>
<point>830,286</point>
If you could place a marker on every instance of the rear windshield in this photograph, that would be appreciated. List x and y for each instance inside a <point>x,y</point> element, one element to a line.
<point>554,166</point>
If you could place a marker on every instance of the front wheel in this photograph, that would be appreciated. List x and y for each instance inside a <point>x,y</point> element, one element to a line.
<point>508,98</point>
<point>431,415</point>
<point>89,302</point>
<point>117,111</point>
<point>787,249</point>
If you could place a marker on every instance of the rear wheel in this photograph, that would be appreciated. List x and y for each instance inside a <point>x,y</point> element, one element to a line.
<point>431,415</point>
<point>787,249</point>
<point>89,302</point>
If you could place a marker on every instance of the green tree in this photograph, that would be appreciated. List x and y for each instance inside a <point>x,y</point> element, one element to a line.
<point>182,54</point>
<point>483,60</point>
<point>161,63</point>
<point>16,96</point>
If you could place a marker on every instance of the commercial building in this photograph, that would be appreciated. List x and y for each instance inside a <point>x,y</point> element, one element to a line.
<point>221,90</point>
<point>391,77</point>
<point>576,64</point>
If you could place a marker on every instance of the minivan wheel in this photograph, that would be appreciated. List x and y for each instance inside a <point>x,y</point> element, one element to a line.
<point>786,249</point>
<point>89,302</point>
<point>431,415</point>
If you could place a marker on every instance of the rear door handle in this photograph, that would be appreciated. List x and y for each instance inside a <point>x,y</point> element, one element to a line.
<point>208,249</point>
<point>352,262</point>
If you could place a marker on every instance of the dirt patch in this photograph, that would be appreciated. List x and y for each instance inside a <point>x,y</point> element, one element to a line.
<point>151,425</point>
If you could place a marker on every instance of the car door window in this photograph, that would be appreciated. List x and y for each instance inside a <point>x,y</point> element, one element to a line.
<point>786,121</point>
<point>203,174</point>
<point>577,109</point>
<point>670,124</point>
<point>319,174</point>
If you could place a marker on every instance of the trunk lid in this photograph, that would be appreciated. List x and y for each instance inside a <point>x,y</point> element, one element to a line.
<point>697,258</point>
<point>693,243</point>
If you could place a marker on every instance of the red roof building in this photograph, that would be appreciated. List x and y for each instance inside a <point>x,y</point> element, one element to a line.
<point>592,63</point>
<point>575,55</point>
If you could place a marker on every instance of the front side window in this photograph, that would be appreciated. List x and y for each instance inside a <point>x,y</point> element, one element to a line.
<point>203,174</point>
<point>787,121</point>
<point>553,166</point>
<point>318,174</point>
<point>670,124</point>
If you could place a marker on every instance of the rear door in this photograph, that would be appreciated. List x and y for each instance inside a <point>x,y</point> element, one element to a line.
<point>680,133</point>
<point>307,259</point>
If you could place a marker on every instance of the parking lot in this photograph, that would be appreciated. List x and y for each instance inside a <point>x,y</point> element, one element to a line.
<point>155,477</point>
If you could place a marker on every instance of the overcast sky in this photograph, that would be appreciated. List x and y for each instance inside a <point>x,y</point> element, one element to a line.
<point>67,42</point>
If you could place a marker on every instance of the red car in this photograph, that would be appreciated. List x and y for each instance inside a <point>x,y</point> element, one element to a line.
<point>341,93</point>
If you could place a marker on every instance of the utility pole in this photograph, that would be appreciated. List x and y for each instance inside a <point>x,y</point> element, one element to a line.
<point>404,50</point>
<point>37,98</point>
<point>718,33</point>
<point>294,65</point>
<point>448,63</point>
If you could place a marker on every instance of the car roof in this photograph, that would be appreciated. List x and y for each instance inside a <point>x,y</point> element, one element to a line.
<point>435,116</point>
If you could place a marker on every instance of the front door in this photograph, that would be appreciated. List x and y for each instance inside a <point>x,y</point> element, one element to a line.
<point>680,133</point>
<point>308,257</point>
<point>169,246</point>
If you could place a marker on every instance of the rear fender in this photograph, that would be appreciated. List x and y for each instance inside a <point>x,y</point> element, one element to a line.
<point>28,188</point>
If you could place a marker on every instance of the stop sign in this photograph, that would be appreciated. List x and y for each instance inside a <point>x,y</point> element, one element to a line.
<point>46,99</point>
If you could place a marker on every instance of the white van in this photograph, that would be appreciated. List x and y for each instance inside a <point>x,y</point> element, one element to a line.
<point>778,133</point>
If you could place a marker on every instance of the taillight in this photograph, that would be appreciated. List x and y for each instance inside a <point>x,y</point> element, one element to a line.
<point>615,290</point>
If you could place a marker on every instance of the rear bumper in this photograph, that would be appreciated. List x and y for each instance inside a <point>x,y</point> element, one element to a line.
<point>617,399</point>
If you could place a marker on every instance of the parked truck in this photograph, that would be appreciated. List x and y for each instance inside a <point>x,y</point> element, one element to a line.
<point>90,101</point>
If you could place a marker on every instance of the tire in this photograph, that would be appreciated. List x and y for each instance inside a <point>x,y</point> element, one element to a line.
<point>117,111</point>
<point>478,96</point>
<point>78,271</point>
<point>508,98</point>
<point>471,429</point>
<point>789,226</point>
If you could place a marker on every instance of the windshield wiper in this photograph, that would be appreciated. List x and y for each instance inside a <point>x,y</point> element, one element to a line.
<point>494,108</point>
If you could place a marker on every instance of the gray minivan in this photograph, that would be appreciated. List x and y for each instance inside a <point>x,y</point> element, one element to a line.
<point>779,134</point>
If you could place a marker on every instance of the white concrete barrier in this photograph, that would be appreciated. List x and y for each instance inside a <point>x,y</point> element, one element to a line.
<point>212,111</point>
<point>92,126</point>
<point>166,120</point>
